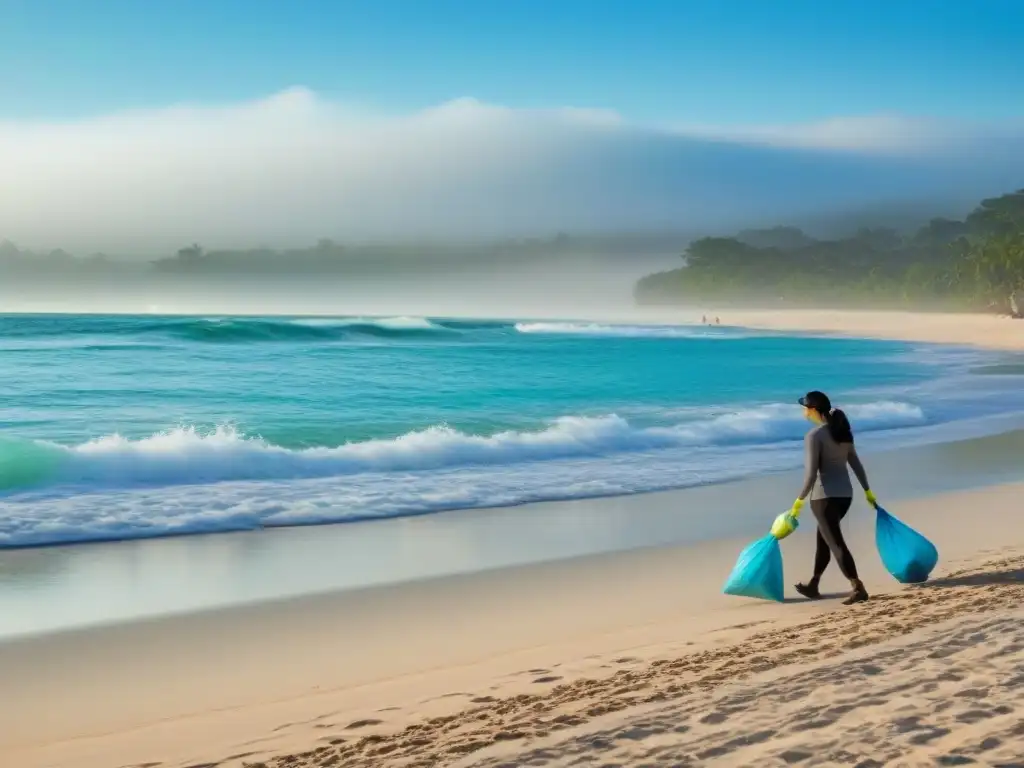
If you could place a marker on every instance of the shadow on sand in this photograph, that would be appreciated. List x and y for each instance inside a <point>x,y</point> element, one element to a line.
<point>986,579</point>
<point>824,596</point>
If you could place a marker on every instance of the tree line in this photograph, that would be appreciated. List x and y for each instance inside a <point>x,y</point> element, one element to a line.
<point>328,256</point>
<point>972,264</point>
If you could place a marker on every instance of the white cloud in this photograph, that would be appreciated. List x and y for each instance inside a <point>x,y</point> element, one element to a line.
<point>293,167</point>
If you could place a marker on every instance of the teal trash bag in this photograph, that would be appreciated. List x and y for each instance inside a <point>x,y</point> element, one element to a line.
<point>758,571</point>
<point>905,553</point>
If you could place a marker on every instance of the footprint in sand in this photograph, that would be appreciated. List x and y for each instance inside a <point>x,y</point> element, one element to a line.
<point>714,718</point>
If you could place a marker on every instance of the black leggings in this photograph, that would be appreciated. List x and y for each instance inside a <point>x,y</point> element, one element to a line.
<point>829,513</point>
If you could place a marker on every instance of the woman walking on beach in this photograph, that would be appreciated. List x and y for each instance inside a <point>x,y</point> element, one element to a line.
<point>828,450</point>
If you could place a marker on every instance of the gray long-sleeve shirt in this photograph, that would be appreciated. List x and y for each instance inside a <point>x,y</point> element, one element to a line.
<point>826,476</point>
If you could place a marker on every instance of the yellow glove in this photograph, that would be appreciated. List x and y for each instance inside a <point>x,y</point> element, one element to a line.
<point>797,506</point>
<point>870,496</point>
<point>784,525</point>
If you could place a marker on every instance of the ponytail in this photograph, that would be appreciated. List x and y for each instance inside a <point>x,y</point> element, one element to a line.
<point>839,426</point>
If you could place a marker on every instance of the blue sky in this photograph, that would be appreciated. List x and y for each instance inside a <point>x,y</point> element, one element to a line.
<point>725,62</point>
<point>450,118</point>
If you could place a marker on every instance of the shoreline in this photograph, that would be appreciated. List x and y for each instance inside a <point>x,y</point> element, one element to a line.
<point>532,660</point>
<point>54,589</point>
<point>361,678</point>
<point>995,332</point>
<point>985,331</point>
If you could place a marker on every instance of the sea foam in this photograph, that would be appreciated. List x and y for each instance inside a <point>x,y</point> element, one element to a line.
<point>187,455</point>
<point>627,331</point>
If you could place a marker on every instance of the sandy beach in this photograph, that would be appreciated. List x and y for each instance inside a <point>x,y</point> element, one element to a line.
<point>627,658</point>
<point>990,331</point>
<point>967,329</point>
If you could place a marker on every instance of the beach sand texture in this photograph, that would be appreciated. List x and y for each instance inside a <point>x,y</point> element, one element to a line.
<point>629,659</point>
<point>930,675</point>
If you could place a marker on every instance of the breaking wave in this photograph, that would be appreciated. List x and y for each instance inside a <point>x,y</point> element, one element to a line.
<point>189,456</point>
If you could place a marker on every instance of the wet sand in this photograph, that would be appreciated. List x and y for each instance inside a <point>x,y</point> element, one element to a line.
<point>54,589</point>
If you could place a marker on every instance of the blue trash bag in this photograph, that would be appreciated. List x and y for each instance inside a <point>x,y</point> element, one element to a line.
<point>905,553</point>
<point>758,571</point>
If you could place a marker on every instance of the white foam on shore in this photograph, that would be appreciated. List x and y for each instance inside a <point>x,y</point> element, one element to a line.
<point>631,331</point>
<point>188,456</point>
<point>186,482</point>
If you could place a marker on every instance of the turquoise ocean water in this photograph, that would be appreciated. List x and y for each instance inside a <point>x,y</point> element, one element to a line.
<point>126,427</point>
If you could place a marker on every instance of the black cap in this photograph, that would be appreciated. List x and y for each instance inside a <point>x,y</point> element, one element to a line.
<point>817,400</point>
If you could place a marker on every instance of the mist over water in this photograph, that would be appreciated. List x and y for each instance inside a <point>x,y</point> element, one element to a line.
<point>295,167</point>
<point>559,286</point>
<point>292,169</point>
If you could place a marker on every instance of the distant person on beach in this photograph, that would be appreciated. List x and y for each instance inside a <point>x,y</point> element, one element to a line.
<point>829,450</point>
